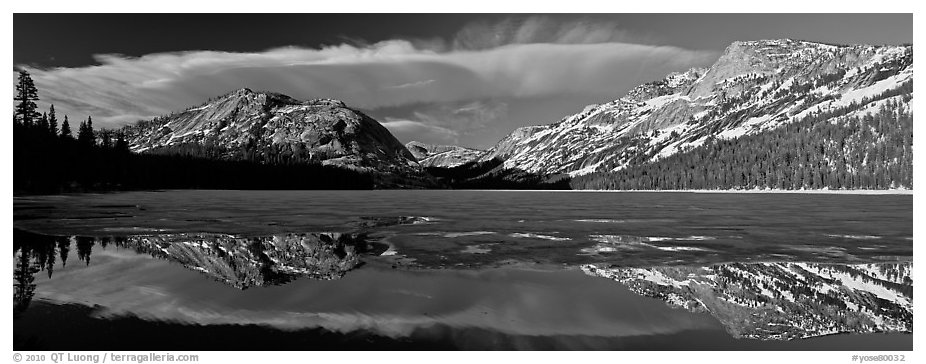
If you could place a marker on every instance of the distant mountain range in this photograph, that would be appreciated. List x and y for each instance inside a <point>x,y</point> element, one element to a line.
<point>444,156</point>
<point>783,114</point>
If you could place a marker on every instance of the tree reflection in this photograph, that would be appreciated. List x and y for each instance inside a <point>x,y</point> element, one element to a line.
<point>64,246</point>
<point>23,278</point>
<point>237,261</point>
<point>34,253</point>
<point>84,248</point>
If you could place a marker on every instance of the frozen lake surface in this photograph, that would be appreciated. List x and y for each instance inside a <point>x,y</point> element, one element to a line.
<point>467,269</point>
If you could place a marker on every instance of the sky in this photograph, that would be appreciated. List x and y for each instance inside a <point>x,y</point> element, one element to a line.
<point>462,79</point>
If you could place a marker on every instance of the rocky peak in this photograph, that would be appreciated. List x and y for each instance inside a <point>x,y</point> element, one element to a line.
<point>327,103</point>
<point>446,156</point>
<point>753,86</point>
<point>271,127</point>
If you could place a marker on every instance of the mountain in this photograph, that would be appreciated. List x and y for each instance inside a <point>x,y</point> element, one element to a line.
<point>445,156</point>
<point>783,301</point>
<point>754,88</point>
<point>277,129</point>
<point>246,262</point>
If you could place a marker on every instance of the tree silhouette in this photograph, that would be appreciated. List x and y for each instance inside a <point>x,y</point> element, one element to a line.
<point>23,278</point>
<point>52,121</point>
<point>64,246</point>
<point>26,94</point>
<point>85,135</point>
<point>66,129</point>
<point>84,248</point>
<point>82,132</point>
<point>42,123</point>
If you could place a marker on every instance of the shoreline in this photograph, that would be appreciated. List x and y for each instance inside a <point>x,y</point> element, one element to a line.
<point>755,191</point>
<point>820,192</point>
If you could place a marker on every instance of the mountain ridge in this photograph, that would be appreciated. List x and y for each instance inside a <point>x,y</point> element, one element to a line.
<point>754,86</point>
<point>274,128</point>
<point>444,156</point>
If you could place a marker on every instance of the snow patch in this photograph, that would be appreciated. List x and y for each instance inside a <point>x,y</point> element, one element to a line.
<point>537,236</point>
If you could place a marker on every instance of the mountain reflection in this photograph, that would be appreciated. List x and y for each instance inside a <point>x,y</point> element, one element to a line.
<point>783,301</point>
<point>240,262</point>
<point>766,301</point>
<point>260,261</point>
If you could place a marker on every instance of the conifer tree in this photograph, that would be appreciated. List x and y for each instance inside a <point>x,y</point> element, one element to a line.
<point>52,121</point>
<point>26,93</point>
<point>85,134</point>
<point>82,132</point>
<point>66,129</point>
<point>42,123</point>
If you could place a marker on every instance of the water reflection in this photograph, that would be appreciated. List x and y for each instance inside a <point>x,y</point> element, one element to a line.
<point>23,288</point>
<point>32,254</point>
<point>257,261</point>
<point>241,262</point>
<point>765,301</point>
<point>770,301</point>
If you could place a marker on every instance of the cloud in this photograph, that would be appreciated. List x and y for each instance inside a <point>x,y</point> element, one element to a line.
<point>443,123</point>
<point>407,130</point>
<point>529,58</point>
<point>541,29</point>
<point>411,84</point>
<point>463,117</point>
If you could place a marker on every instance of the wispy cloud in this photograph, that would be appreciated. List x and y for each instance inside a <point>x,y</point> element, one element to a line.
<point>408,130</point>
<point>411,84</point>
<point>463,116</point>
<point>527,58</point>
<point>542,29</point>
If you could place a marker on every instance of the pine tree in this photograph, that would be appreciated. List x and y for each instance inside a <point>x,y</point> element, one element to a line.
<point>23,278</point>
<point>85,134</point>
<point>26,94</point>
<point>82,132</point>
<point>42,124</point>
<point>66,129</point>
<point>52,121</point>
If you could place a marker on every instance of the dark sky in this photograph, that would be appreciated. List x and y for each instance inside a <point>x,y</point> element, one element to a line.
<point>70,40</point>
<point>465,79</point>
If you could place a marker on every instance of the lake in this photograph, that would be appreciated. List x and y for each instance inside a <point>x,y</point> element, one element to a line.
<point>417,270</point>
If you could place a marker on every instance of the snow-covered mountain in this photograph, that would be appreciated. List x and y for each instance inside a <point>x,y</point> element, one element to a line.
<point>446,156</point>
<point>270,127</point>
<point>754,86</point>
<point>245,262</point>
<point>782,301</point>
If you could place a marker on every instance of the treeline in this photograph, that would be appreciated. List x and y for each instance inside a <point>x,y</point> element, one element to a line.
<point>874,151</point>
<point>487,175</point>
<point>48,159</point>
<point>43,163</point>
